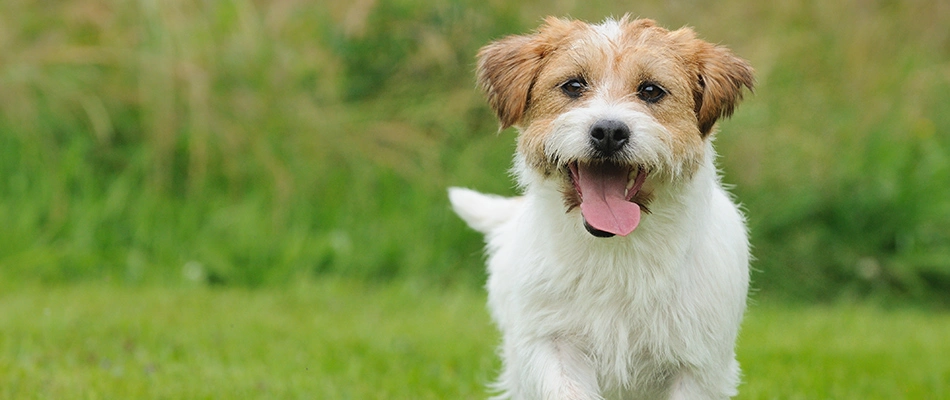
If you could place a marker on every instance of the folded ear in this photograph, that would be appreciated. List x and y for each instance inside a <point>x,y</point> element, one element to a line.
<point>719,87</point>
<point>508,67</point>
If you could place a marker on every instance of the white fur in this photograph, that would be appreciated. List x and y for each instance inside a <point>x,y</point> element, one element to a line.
<point>651,315</point>
<point>483,212</point>
<point>648,139</point>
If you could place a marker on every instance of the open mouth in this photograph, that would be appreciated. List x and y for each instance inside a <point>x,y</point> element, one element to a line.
<point>607,194</point>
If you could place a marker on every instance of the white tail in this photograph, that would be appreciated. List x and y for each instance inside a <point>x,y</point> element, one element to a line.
<point>482,212</point>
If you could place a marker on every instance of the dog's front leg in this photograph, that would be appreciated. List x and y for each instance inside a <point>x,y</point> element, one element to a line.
<point>688,386</point>
<point>548,369</point>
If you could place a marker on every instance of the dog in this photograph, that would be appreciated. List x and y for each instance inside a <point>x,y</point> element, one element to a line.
<point>621,272</point>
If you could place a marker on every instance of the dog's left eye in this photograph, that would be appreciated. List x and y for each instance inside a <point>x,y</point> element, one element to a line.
<point>650,92</point>
<point>574,87</point>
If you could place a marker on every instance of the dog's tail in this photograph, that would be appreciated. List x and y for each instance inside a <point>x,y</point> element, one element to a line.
<point>483,212</point>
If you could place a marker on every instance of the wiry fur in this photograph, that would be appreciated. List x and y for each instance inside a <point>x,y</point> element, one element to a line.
<point>655,314</point>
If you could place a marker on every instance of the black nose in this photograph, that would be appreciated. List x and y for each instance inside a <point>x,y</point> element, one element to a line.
<point>608,136</point>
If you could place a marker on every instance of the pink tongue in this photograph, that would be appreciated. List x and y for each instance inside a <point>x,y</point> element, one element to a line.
<point>603,203</point>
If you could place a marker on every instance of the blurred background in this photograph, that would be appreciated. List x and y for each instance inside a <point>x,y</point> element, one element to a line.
<point>256,143</point>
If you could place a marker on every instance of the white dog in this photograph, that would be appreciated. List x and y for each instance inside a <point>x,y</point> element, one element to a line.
<point>622,272</point>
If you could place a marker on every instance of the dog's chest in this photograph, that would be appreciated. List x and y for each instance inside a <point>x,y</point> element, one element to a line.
<point>631,330</point>
<point>617,304</point>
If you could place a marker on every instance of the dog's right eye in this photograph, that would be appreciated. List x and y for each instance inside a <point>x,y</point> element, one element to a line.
<point>574,87</point>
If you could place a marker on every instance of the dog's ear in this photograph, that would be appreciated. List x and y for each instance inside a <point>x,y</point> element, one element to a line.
<point>718,88</point>
<point>508,67</point>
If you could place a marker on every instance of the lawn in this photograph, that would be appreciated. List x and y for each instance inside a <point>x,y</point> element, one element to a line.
<point>336,339</point>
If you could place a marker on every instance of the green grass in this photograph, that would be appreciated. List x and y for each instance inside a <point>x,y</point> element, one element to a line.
<point>350,340</point>
<point>206,199</point>
<point>333,340</point>
<point>844,352</point>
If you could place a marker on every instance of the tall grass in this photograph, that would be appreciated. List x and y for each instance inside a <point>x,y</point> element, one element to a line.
<point>846,183</point>
<point>249,143</point>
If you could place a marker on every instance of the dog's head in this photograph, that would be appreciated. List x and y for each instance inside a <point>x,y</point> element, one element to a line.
<point>609,111</point>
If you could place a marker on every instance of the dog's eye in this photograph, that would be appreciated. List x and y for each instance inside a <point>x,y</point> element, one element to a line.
<point>650,92</point>
<point>574,87</point>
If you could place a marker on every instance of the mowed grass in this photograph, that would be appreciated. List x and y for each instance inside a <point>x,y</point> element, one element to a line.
<point>331,340</point>
<point>845,352</point>
<point>336,339</point>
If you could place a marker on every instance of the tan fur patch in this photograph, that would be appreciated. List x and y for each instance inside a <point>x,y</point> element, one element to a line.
<point>507,68</point>
<point>523,77</point>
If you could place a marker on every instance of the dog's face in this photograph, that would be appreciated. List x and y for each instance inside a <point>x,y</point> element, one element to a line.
<point>610,111</point>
